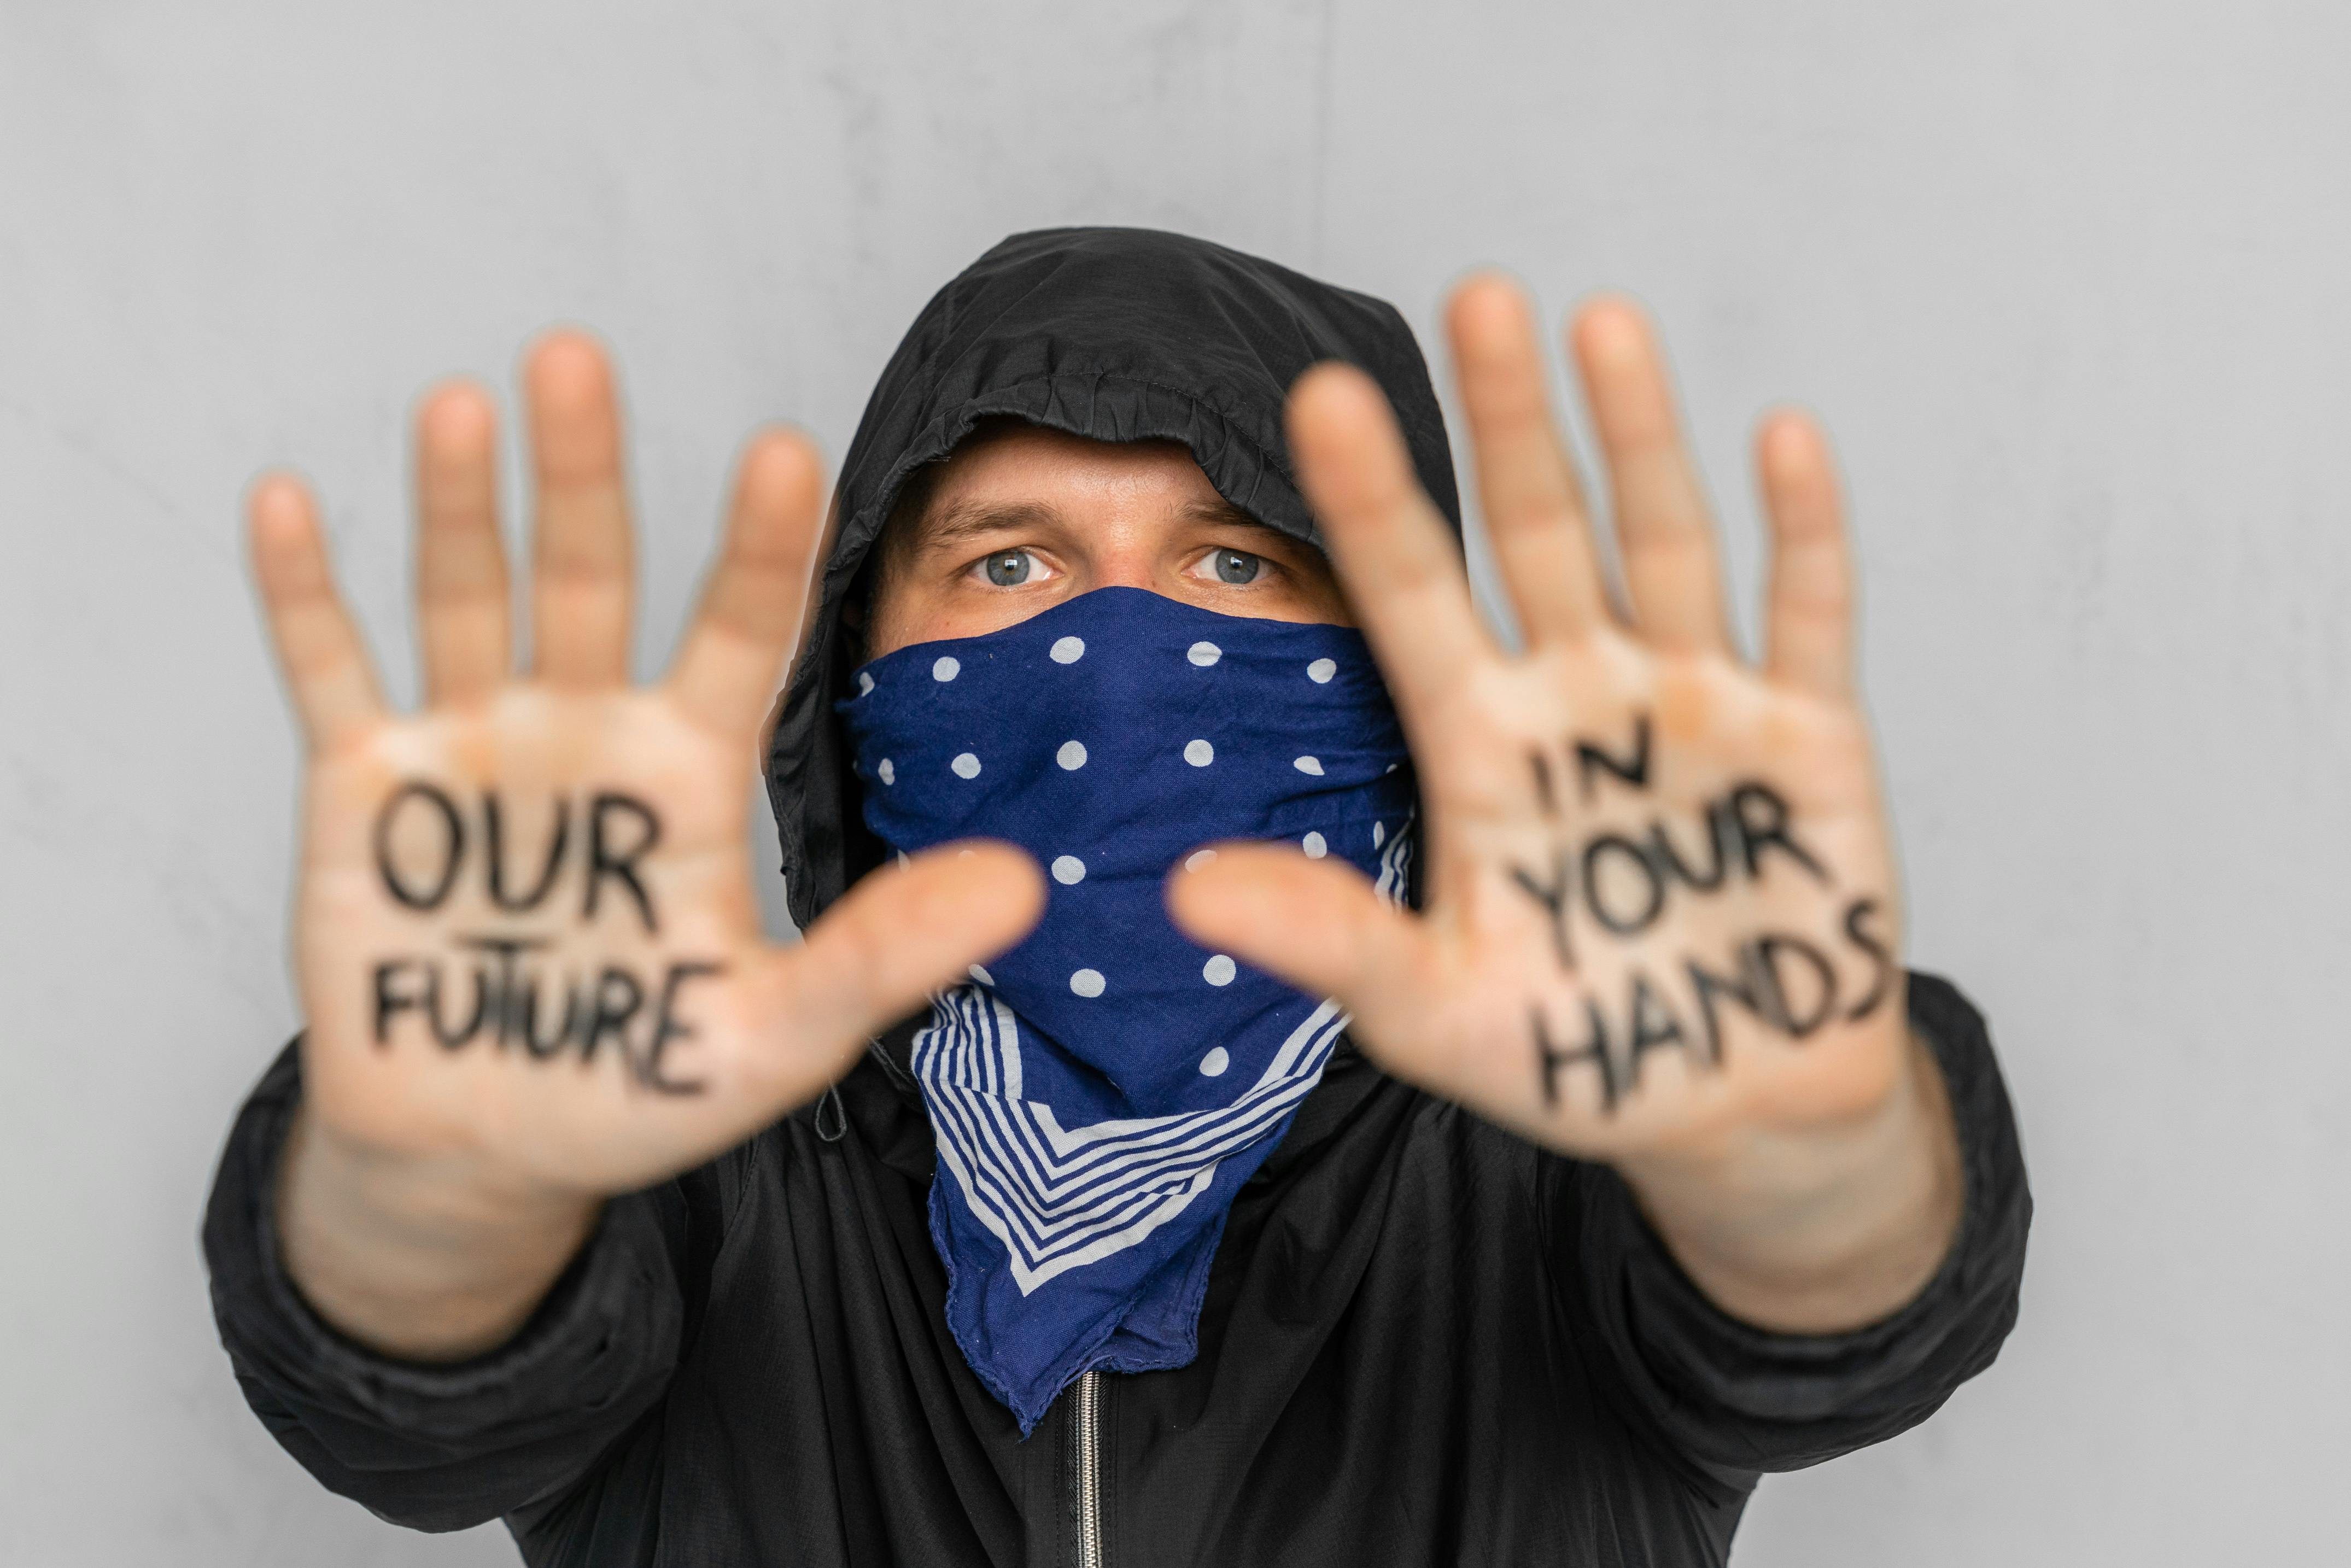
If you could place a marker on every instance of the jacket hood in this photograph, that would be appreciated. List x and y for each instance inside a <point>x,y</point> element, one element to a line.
<point>1114,334</point>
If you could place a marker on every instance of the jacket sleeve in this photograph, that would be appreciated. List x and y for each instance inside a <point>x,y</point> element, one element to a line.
<point>442,1447</point>
<point>1735,1399</point>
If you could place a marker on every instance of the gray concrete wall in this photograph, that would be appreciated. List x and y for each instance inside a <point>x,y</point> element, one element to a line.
<point>2065,279</point>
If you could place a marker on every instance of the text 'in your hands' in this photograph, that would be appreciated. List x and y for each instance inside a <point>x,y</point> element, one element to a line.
<point>1625,884</point>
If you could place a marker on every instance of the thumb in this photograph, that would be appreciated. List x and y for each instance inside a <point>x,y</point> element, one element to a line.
<point>903,933</point>
<point>1317,923</point>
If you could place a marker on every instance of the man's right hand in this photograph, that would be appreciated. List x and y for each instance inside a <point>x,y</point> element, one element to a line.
<point>525,938</point>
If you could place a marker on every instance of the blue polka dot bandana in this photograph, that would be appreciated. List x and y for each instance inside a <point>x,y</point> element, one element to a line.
<point>1101,1092</point>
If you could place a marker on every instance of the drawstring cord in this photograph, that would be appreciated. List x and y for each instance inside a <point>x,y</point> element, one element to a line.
<point>898,1075</point>
<point>832,1097</point>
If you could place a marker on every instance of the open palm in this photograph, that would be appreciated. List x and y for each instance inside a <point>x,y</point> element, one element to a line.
<point>526,932</point>
<point>1659,895</point>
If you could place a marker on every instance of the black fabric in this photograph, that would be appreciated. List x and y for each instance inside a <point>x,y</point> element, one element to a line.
<point>1423,1339</point>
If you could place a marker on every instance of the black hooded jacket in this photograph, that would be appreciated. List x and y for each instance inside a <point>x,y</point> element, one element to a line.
<point>1423,1339</point>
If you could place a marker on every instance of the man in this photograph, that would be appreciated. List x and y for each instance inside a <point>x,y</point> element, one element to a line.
<point>1512,1136</point>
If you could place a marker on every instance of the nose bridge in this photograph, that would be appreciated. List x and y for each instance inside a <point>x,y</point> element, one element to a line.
<point>1125,545</point>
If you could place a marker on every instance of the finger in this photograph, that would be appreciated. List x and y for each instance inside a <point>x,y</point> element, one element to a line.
<point>464,602</point>
<point>1316,924</point>
<point>725,674</point>
<point>319,649</point>
<point>1808,616</point>
<point>1672,573</point>
<point>903,933</point>
<point>1535,514</point>
<point>1398,562</point>
<point>581,562</point>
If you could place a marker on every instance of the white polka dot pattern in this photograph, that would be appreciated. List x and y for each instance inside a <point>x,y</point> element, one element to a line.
<point>1075,719</point>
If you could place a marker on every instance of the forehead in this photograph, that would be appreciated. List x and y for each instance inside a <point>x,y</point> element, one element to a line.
<point>1028,463</point>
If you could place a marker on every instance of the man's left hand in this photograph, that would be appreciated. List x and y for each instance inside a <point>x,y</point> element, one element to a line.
<point>1659,924</point>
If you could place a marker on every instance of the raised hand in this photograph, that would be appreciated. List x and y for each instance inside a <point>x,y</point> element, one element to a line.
<point>1660,921</point>
<point>526,942</point>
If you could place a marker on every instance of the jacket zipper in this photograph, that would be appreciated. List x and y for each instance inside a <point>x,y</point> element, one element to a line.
<point>1089,1413</point>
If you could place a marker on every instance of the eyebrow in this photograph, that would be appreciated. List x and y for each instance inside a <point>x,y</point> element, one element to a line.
<point>966,519</point>
<point>959,520</point>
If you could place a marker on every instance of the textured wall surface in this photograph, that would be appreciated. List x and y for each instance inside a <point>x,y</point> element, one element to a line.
<point>2067,282</point>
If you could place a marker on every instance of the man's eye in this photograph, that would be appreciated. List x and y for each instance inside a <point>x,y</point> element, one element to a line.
<point>1009,567</point>
<point>1237,566</point>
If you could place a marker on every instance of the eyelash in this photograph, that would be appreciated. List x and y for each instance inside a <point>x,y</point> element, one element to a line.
<point>979,569</point>
<point>1267,566</point>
